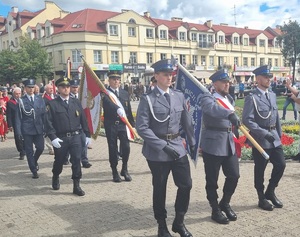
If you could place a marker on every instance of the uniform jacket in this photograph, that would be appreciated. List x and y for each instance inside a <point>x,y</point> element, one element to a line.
<point>12,108</point>
<point>110,109</point>
<point>150,129</point>
<point>32,124</point>
<point>62,118</point>
<point>215,142</point>
<point>258,125</point>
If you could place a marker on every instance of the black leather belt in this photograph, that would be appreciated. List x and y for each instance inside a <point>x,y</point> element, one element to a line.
<point>272,127</point>
<point>168,137</point>
<point>69,134</point>
<point>229,129</point>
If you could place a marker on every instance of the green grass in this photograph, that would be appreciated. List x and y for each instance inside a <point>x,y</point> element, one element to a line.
<point>280,103</point>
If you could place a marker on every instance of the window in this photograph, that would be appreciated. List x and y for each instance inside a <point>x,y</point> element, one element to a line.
<point>194,37</point>
<point>133,57</point>
<point>210,38</point>
<point>182,59</point>
<point>163,34</point>
<point>276,62</point>
<point>203,41</point>
<point>261,43</point>
<point>163,56</point>
<point>16,42</point>
<point>114,57</point>
<point>3,44</point>
<point>131,31</point>
<point>113,29</point>
<point>48,31</point>
<point>97,56</point>
<point>149,33</point>
<point>76,56</point>
<point>39,34</point>
<point>235,40</point>
<point>221,39</point>
<point>277,44</point>
<point>211,61</point>
<point>261,61</point>
<point>236,61</point>
<point>270,61</point>
<point>149,58</point>
<point>246,41</point>
<point>245,62</point>
<point>131,21</point>
<point>252,62</point>
<point>182,36</point>
<point>203,60</point>
<point>195,59</point>
<point>60,56</point>
<point>221,61</point>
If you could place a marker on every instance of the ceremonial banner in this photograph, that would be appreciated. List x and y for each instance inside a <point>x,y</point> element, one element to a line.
<point>91,100</point>
<point>192,90</point>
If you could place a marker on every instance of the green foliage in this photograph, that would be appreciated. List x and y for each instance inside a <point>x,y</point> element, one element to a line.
<point>30,61</point>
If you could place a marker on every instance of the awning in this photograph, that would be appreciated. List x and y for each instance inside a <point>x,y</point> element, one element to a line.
<point>202,74</point>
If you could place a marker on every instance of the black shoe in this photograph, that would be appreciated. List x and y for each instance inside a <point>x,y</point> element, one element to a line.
<point>66,162</point>
<point>86,165</point>
<point>126,175</point>
<point>265,205</point>
<point>296,157</point>
<point>272,197</point>
<point>55,182</point>
<point>77,189</point>
<point>116,176</point>
<point>181,229</point>
<point>225,207</point>
<point>218,217</point>
<point>35,175</point>
<point>22,157</point>
<point>163,232</point>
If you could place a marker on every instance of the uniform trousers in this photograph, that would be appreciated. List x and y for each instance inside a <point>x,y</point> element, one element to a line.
<point>182,178</point>
<point>212,165</point>
<point>32,157</point>
<point>113,132</point>
<point>73,145</point>
<point>260,163</point>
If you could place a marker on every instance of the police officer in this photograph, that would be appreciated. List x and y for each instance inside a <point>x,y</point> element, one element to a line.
<point>160,115</point>
<point>30,125</point>
<point>65,121</point>
<point>115,128</point>
<point>11,113</point>
<point>74,88</point>
<point>218,147</point>
<point>260,115</point>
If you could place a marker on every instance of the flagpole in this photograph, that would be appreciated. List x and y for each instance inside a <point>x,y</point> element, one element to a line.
<point>104,90</point>
<point>243,128</point>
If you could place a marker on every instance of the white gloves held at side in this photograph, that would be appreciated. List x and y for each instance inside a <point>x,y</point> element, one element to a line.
<point>56,142</point>
<point>88,141</point>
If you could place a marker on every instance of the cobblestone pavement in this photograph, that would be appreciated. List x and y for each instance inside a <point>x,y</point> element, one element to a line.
<point>29,207</point>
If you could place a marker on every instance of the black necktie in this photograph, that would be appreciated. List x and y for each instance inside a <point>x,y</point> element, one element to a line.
<point>75,96</point>
<point>267,96</point>
<point>66,101</point>
<point>31,99</point>
<point>167,97</point>
<point>116,93</point>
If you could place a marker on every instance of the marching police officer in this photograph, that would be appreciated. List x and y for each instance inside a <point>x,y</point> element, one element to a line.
<point>115,128</point>
<point>260,115</point>
<point>30,125</point>
<point>218,147</point>
<point>160,115</point>
<point>65,121</point>
<point>74,88</point>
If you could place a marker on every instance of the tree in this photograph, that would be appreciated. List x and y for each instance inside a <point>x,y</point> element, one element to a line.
<point>290,41</point>
<point>30,61</point>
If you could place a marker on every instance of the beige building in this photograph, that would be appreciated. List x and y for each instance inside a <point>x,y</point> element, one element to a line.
<point>132,42</point>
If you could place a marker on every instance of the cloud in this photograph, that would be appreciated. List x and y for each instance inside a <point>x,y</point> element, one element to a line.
<point>239,12</point>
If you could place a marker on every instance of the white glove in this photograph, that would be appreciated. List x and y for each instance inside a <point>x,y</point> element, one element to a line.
<point>88,141</point>
<point>56,142</point>
<point>121,112</point>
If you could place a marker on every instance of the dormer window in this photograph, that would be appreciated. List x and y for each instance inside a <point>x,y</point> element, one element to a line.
<point>182,36</point>
<point>246,41</point>
<point>235,40</point>
<point>163,34</point>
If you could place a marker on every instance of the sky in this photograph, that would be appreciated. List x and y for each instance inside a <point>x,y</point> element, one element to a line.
<point>256,14</point>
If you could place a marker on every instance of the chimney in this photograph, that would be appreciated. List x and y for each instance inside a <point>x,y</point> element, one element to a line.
<point>147,14</point>
<point>176,19</point>
<point>14,9</point>
<point>223,24</point>
<point>246,27</point>
<point>124,10</point>
<point>209,23</point>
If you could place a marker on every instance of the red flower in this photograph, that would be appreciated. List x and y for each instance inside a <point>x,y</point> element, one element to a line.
<point>285,140</point>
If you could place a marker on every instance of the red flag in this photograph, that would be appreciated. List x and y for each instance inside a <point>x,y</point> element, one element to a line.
<point>91,101</point>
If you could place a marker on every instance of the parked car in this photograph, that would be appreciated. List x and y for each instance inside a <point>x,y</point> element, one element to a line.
<point>247,90</point>
<point>279,89</point>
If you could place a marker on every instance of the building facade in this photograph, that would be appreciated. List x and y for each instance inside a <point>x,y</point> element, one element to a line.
<point>132,42</point>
